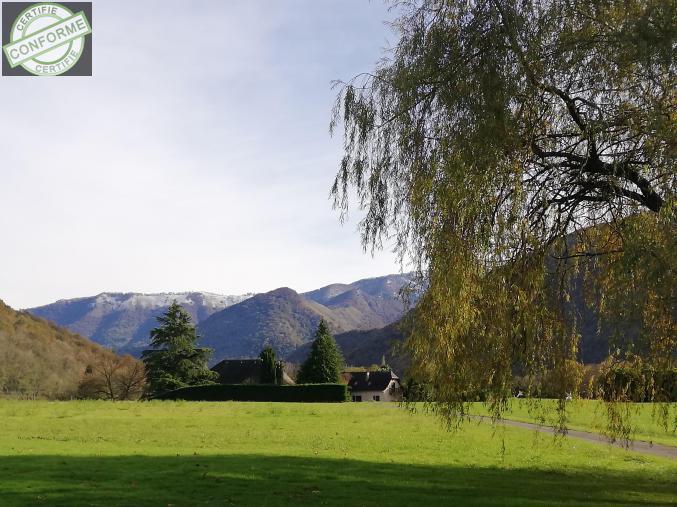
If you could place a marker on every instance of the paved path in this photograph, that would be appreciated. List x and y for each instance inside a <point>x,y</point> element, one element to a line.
<point>665,451</point>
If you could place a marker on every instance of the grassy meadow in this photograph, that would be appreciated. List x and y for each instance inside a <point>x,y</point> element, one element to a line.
<point>182,453</point>
<point>590,415</point>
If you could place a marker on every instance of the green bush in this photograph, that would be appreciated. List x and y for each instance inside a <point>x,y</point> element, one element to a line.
<point>665,385</point>
<point>313,393</point>
<point>634,381</point>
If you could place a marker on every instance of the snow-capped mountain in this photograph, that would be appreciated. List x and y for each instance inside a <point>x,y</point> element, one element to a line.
<point>132,301</point>
<point>234,326</point>
<point>122,321</point>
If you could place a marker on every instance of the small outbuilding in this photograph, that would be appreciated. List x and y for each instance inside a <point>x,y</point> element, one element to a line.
<point>375,386</point>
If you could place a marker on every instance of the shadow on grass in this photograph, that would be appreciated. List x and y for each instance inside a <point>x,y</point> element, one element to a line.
<point>269,480</point>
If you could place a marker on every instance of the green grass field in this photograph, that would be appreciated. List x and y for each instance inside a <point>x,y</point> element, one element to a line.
<point>184,454</point>
<point>589,415</point>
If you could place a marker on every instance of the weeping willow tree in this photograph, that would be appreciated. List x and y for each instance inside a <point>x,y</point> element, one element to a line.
<point>513,150</point>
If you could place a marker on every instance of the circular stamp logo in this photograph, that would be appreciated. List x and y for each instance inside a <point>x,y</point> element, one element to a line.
<point>47,39</point>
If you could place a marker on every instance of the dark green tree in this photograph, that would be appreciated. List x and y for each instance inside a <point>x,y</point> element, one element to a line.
<point>175,361</point>
<point>279,373</point>
<point>269,367</point>
<point>325,361</point>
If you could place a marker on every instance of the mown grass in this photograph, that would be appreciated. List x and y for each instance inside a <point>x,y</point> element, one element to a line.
<point>181,453</point>
<point>589,415</point>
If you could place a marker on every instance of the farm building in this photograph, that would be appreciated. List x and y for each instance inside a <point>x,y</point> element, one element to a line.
<point>244,371</point>
<point>375,386</point>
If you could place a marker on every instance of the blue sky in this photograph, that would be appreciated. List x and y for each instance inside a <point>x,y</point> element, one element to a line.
<point>196,158</point>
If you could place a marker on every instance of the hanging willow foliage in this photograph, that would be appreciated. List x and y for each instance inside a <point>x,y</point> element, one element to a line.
<point>518,151</point>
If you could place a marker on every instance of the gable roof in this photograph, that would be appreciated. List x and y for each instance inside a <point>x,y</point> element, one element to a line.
<point>371,380</point>
<point>237,371</point>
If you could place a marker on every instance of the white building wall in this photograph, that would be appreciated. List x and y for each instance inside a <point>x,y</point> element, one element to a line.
<point>387,395</point>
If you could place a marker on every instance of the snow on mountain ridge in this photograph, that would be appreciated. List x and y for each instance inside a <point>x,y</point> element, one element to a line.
<point>128,301</point>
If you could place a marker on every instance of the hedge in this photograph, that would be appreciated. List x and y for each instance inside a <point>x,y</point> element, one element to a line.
<point>313,393</point>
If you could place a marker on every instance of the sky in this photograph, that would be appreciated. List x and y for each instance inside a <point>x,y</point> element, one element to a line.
<point>197,157</point>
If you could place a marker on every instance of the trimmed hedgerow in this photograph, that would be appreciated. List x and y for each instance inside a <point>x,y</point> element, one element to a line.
<point>317,393</point>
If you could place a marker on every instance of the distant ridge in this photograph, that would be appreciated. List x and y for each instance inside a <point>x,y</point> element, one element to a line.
<point>234,326</point>
<point>286,320</point>
<point>122,321</point>
<point>366,348</point>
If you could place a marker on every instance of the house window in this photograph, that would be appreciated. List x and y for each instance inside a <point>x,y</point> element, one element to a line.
<point>357,397</point>
<point>377,397</point>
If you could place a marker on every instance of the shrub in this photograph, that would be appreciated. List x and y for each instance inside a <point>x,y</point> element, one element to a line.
<point>589,381</point>
<point>563,380</point>
<point>413,391</point>
<point>665,385</point>
<point>313,393</point>
<point>632,380</point>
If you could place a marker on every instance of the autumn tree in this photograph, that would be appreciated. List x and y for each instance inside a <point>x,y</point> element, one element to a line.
<point>510,149</point>
<point>175,361</point>
<point>114,378</point>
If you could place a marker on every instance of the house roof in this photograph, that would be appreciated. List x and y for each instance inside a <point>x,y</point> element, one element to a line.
<point>237,371</point>
<point>371,380</point>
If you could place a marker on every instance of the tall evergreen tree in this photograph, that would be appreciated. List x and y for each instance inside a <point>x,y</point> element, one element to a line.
<point>325,361</point>
<point>175,361</point>
<point>268,369</point>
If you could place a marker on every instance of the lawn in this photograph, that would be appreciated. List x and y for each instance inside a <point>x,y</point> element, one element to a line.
<point>184,454</point>
<point>589,415</point>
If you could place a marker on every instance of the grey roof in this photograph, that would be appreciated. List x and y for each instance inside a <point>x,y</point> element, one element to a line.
<point>239,371</point>
<point>371,380</point>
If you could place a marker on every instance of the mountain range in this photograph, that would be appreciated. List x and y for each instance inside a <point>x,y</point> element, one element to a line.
<point>363,316</point>
<point>122,321</point>
<point>285,319</point>
<point>235,326</point>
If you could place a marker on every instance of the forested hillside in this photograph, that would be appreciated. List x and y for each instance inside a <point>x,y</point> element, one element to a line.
<point>41,359</point>
<point>282,319</point>
<point>286,320</point>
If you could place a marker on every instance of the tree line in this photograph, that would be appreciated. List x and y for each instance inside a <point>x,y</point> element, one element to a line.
<point>175,361</point>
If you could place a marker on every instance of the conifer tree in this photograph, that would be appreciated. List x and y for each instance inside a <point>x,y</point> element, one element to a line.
<point>175,361</point>
<point>325,361</point>
<point>269,367</point>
